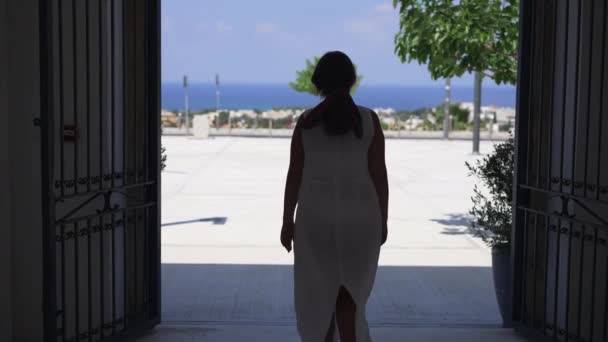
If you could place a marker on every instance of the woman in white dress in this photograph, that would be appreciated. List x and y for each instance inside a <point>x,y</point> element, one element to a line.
<point>337,178</point>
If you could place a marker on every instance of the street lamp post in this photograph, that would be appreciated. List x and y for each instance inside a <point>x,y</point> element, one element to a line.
<point>477,113</point>
<point>398,127</point>
<point>446,116</point>
<point>187,104</point>
<point>217,101</point>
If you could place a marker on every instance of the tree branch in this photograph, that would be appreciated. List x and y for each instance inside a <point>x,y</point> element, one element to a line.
<point>493,49</point>
<point>487,74</point>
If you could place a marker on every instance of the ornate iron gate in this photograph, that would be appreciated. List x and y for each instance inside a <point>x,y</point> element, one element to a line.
<point>561,216</point>
<point>100,134</point>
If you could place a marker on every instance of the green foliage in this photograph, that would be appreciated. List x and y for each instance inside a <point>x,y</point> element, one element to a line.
<point>285,122</point>
<point>507,127</point>
<point>163,153</point>
<point>223,118</point>
<point>404,115</point>
<point>492,208</point>
<point>455,37</point>
<point>163,157</point>
<point>460,117</point>
<point>303,82</point>
<point>428,125</point>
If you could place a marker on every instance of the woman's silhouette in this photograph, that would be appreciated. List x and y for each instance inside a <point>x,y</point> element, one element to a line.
<point>337,177</point>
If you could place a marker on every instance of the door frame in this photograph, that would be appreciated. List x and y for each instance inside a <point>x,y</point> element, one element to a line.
<point>521,150</point>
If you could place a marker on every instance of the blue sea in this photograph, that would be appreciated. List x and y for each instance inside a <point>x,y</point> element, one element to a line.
<point>267,96</point>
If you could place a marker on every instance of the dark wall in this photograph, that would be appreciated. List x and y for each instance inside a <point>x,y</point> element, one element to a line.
<point>5,250</point>
<point>23,146</point>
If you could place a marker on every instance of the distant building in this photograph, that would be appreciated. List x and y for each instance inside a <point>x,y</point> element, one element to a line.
<point>501,115</point>
<point>243,112</point>
<point>413,123</point>
<point>168,119</point>
<point>388,120</point>
<point>385,111</point>
<point>278,113</point>
<point>504,115</point>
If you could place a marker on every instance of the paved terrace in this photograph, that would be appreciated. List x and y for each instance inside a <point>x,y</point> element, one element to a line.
<point>225,275</point>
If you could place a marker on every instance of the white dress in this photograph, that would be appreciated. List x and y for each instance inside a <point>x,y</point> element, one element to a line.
<point>338,229</point>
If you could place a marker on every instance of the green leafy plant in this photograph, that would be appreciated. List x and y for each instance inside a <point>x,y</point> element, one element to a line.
<point>303,82</point>
<point>460,117</point>
<point>454,37</point>
<point>163,157</point>
<point>492,205</point>
<point>163,152</point>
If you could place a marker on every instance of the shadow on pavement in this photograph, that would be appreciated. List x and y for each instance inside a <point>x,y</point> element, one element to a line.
<point>263,295</point>
<point>214,220</point>
<point>457,224</point>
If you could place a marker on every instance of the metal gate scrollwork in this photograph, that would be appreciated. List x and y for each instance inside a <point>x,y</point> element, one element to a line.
<point>100,124</point>
<point>561,208</point>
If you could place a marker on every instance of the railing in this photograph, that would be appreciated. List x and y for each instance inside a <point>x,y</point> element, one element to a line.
<point>286,133</point>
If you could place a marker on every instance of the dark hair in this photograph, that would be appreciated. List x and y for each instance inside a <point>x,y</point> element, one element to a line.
<point>334,72</point>
<point>334,76</point>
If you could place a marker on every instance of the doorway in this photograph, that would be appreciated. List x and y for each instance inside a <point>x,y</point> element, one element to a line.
<point>221,264</point>
<point>222,197</point>
<point>101,79</point>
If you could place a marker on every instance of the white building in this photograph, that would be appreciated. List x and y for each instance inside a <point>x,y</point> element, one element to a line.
<point>384,111</point>
<point>242,112</point>
<point>388,120</point>
<point>279,113</point>
<point>503,115</point>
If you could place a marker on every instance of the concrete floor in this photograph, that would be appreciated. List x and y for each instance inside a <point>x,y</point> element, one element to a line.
<point>241,333</point>
<point>222,262</point>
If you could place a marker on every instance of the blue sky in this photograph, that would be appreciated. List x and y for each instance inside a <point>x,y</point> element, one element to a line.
<point>266,41</point>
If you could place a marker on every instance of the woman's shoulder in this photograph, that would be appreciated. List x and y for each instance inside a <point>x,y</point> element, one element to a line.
<point>368,111</point>
<point>302,116</point>
<point>372,116</point>
<point>306,112</point>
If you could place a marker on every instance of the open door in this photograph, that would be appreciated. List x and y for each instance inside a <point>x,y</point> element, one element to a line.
<point>100,80</point>
<point>561,217</point>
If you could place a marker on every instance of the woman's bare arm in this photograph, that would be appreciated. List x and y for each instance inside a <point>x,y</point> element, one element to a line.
<point>294,175</point>
<point>377,171</point>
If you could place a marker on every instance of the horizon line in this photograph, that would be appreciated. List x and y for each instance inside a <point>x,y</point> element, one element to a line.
<point>439,85</point>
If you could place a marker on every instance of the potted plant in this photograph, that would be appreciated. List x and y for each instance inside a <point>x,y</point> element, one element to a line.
<point>492,216</point>
<point>163,153</point>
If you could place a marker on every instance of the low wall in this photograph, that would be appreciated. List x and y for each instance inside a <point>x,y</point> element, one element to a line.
<point>286,133</point>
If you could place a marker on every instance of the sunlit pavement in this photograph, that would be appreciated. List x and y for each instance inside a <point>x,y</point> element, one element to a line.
<point>223,265</point>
